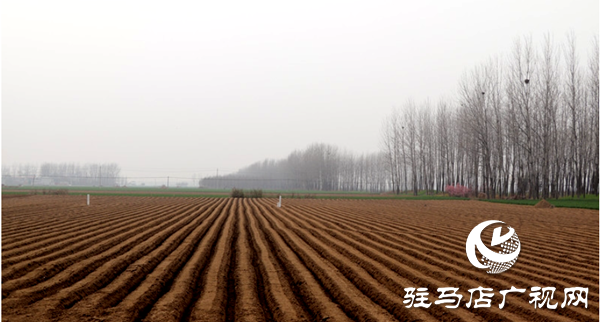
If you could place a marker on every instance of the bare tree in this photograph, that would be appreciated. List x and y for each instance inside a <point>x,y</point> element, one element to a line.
<point>594,99</point>
<point>573,101</point>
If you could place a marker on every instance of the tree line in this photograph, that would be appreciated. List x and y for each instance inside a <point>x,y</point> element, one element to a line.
<point>522,126</point>
<point>62,174</point>
<point>318,167</point>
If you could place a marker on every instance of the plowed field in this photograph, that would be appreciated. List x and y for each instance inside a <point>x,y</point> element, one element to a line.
<point>191,259</point>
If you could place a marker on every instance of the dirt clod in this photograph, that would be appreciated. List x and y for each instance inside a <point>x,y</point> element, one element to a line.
<point>543,204</point>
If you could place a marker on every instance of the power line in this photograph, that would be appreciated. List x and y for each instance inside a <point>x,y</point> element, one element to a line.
<point>179,170</point>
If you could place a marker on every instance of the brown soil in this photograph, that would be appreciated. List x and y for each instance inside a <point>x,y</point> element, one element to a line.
<point>543,204</point>
<point>210,259</point>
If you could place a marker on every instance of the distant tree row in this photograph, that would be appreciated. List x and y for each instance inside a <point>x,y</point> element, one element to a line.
<point>318,167</point>
<point>526,126</point>
<point>64,174</point>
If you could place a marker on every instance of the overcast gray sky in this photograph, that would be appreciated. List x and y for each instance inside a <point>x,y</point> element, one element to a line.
<point>178,87</point>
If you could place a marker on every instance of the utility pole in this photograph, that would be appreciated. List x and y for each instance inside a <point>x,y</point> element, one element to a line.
<point>167,182</point>
<point>100,176</point>
<point>218,178</point>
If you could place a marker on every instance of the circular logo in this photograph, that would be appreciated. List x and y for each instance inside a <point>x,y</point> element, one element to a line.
<point>495,262</point>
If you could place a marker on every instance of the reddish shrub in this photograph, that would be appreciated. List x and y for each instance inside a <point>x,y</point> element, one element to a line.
<point>458,191</point>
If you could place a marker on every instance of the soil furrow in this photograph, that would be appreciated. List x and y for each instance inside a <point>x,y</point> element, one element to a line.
<point>42,238</point>
<point>422,273</point>
<point>30,261</point>
<point>138,303</point>
<point>119,278</point>
<point>386,277</point>
<point>251,303</point>
<point>356,304</point>
<point>276,290</point>
<point>47,283</point>
<point>210,259</point>
<point>385,229</point>
<point>214,296</point>
<point>306,286</point>
<point>172,306</point>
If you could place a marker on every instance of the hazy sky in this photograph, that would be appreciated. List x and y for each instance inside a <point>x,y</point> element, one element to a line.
<point>176,87</point>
